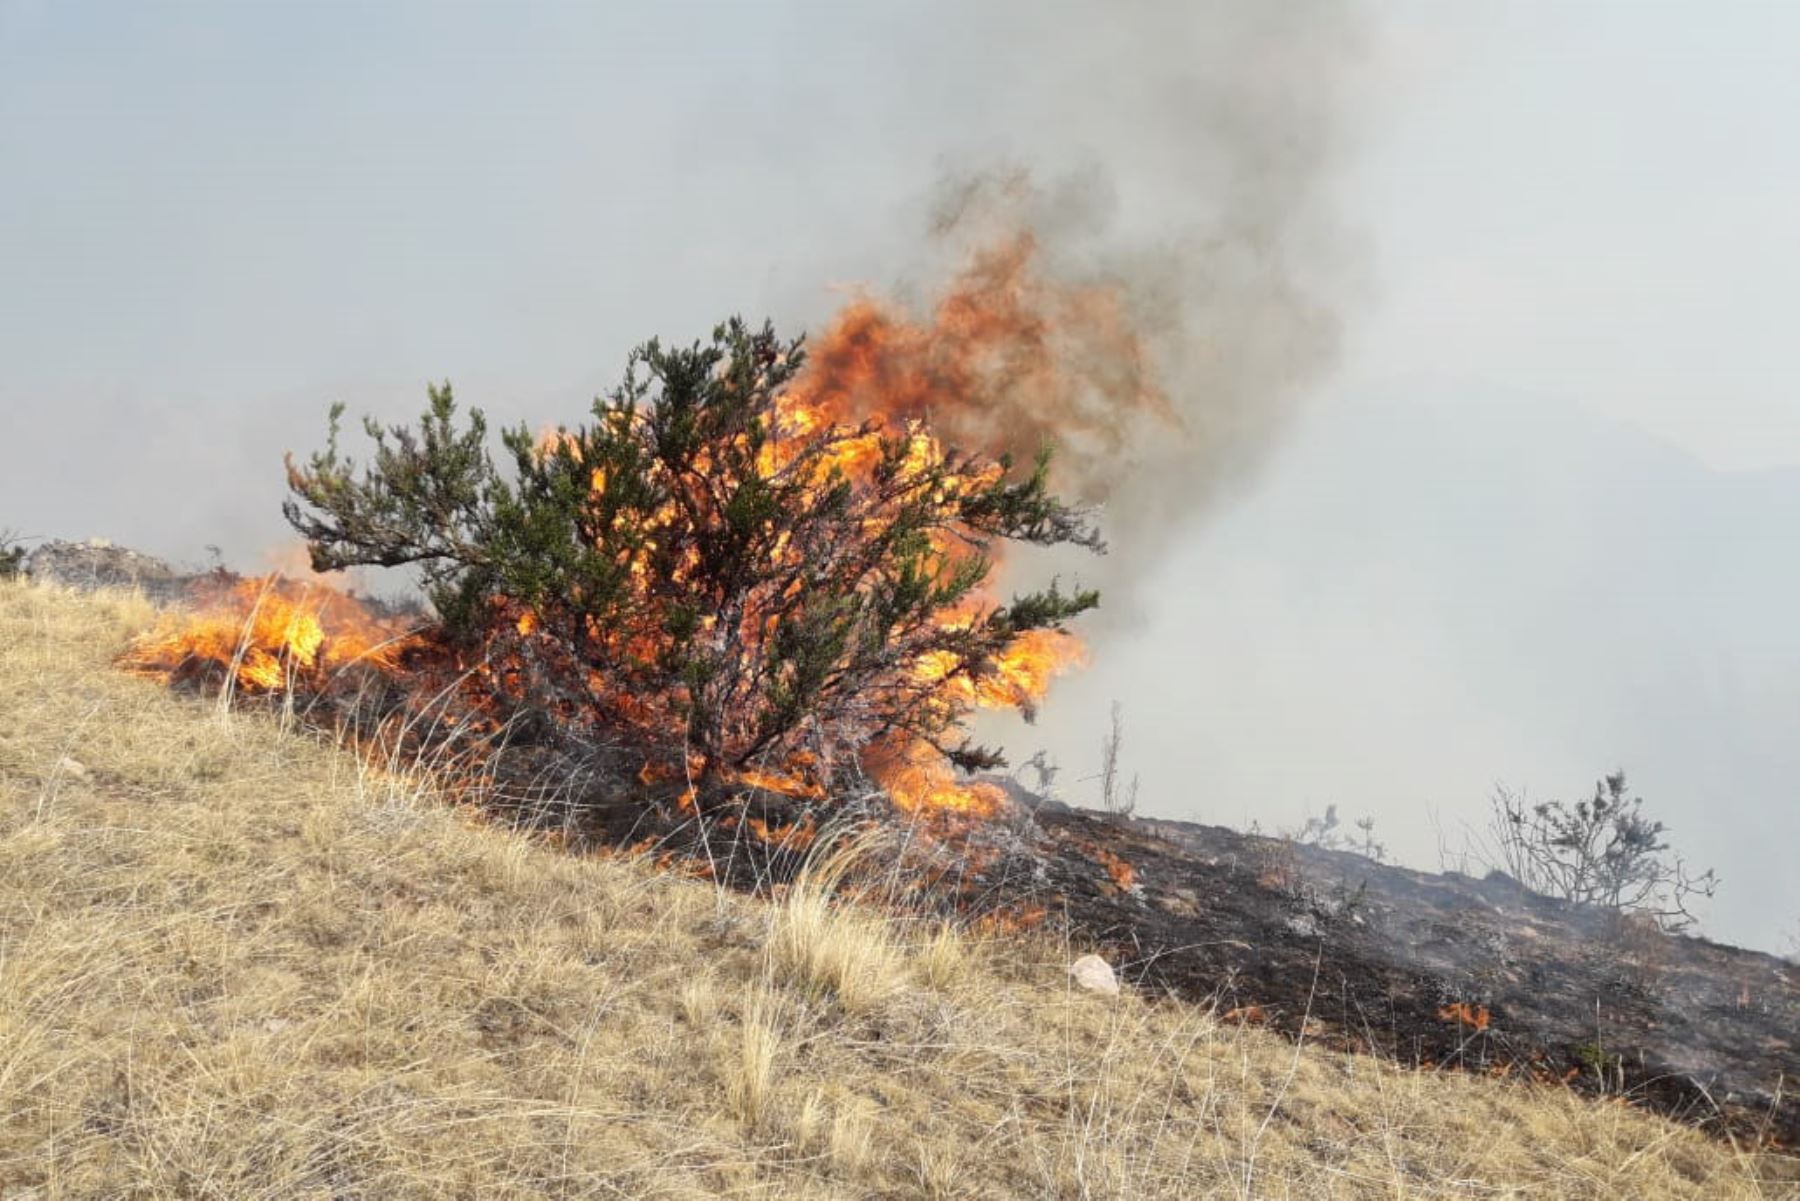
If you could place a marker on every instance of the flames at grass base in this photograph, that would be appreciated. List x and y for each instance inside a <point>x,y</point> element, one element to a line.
<point>267,634</point>
<point>274,637</point>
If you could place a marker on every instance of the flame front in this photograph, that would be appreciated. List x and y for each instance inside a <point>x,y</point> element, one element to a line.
<point>268,633</point>
<point>919,781</point>
<point>1476,1017</point>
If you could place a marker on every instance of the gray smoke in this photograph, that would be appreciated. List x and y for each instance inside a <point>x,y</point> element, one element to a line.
<point>1217,135</point>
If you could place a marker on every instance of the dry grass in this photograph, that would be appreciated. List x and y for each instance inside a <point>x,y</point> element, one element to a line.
<point>751,1086</point>
<point>235,963</point>
<point>830,948</point>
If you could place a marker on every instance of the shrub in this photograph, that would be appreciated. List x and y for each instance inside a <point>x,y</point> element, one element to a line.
<point>1602,852</point>
<point>1324,833</point>
<point>12,555</point>
<point>706,563</point>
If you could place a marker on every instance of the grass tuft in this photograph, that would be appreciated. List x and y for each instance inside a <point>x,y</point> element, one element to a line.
<point>751,1084</point>
<point>828,946</point>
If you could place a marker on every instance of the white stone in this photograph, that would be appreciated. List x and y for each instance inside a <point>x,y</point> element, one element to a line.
<point>1095,974</point>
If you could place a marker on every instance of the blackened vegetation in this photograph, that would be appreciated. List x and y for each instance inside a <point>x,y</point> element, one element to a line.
<point>1442,969</point>
<point>99,564</point>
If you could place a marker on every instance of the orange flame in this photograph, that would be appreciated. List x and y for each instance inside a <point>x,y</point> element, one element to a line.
<point>267,633</point>
<point>919,781</point>
<point>785,785</point>
<point>1464,1014</point>
<point>1010,921</point>
<point>795,836</point>
<point>1123,874</point>
<point>1011,359</point>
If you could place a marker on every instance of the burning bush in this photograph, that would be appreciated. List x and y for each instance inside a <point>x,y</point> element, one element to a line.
<point>720,565</point>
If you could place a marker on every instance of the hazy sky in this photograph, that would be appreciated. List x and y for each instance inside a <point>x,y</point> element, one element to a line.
<point>1592,202</point>
<point>1530,521</point>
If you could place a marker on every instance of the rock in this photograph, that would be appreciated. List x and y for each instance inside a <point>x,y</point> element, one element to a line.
<point>75,769</point>
<point>1095,974</point>
<point>97,564</point>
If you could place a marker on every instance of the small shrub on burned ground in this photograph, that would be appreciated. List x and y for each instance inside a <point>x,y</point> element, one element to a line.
<point>1602,852</point>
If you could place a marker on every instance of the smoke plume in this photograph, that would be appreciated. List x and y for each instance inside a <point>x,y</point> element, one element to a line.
<point>1162,348</point>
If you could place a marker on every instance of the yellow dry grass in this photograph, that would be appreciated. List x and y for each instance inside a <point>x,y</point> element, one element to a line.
<point>236,963</point>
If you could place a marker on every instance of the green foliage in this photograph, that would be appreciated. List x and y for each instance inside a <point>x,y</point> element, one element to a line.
<point>704,570</point>
<point>12,555</point>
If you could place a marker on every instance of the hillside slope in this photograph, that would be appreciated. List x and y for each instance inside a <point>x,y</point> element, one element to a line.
<point>237,963</point>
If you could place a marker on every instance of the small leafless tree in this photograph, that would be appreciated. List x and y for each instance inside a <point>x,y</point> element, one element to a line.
<point>1602,852</point>
<point>1120,802</point>
<point>1044,771</point>
<point>1322,832</point>
<point>1367,847</point>
<point>1319,831</point>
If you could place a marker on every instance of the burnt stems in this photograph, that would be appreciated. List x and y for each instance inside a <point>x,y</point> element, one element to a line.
<point>1444,969</point>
